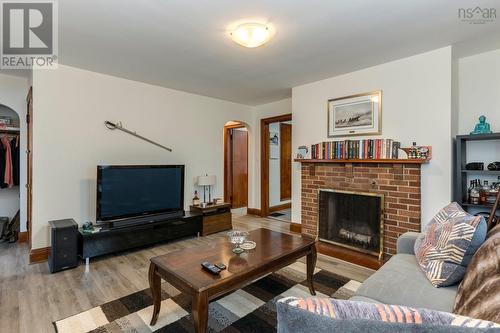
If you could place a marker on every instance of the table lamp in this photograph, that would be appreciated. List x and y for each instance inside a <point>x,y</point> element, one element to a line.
<point>206,181</point>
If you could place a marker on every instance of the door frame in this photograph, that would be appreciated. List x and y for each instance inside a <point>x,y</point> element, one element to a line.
<point>264,160</point>
<point>29,166</point>
<point>227,160</point>
<point>283,164</point>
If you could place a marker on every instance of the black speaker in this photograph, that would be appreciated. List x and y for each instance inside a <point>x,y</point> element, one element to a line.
<point>64,236</point>
<point>474,166</point>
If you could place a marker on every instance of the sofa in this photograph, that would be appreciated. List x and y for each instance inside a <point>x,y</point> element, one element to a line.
<point>399,281</point>
<point>402,281</point>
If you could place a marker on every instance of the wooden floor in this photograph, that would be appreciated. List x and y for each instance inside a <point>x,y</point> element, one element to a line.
<point>31,298</point>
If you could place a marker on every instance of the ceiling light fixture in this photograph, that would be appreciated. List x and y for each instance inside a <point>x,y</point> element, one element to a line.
<point>251,34</point>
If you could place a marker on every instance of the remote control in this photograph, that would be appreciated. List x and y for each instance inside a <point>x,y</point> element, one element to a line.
<point>220,266</point>
<point>211,268</point>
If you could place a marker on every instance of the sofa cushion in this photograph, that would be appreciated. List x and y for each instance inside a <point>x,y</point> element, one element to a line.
<point>401,281</point>
<point>376,312</point>
<point>479,293</point>
<point>447,245</point>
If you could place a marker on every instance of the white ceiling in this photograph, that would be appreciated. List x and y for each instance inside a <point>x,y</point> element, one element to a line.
<point>182,44</point>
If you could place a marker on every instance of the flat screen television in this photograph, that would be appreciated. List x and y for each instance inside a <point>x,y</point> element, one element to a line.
<point>125,192</point>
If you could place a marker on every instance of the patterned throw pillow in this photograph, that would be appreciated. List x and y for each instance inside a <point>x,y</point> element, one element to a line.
<point>445,248</point>
<point>349,310</point>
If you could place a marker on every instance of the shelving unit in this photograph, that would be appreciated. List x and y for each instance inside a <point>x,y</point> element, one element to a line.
<point>10,130</point>
<point>482,172</point>
<point>355,160</point>
<point>461,174</point>
<point>487,206</point>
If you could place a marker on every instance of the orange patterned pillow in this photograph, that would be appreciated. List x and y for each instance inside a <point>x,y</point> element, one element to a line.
<point>350,310</point>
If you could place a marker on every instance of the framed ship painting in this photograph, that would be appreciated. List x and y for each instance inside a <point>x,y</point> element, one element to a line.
<point>359,114</point>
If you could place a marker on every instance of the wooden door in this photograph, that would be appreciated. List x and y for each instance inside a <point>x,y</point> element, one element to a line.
<point>228,169</point>
<point>239,168</point>
<point>285,161</point>
<point>29,166</point>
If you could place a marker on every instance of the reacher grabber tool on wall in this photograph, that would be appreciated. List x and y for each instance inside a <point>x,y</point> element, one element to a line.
<point>118,126</point>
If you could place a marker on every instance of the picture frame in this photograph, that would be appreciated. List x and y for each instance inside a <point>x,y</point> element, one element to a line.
<point>274,149</point>
<point>359,114</point>
<point>303,152</point>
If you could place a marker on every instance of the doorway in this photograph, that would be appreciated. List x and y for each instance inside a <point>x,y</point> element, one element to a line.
<point>276,167</point>
<point>236,164</point>
<point>10,194</point>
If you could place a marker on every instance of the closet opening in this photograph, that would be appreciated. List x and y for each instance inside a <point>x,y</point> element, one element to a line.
<point>10,194</point>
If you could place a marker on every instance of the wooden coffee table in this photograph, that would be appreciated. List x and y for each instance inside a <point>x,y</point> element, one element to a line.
<point>183,270</point>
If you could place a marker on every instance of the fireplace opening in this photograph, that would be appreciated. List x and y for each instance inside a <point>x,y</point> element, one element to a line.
<point>352,219</point>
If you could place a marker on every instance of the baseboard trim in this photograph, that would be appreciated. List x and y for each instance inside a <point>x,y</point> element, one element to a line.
<point>22,237</point>
<point>39,255</point>
<point>296,227</point>
<point>254,211</point>
<point>280,207</point>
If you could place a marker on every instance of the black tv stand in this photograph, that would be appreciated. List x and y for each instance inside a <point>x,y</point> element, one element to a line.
<point>127,237</point>
<point>132,221</point>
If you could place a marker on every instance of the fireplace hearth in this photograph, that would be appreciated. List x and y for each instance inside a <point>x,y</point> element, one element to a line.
<point>354,220</point>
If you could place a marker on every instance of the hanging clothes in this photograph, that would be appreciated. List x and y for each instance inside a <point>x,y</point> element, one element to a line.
<point>14,148</point>
<point>8,178</point>
<point>2,166</point>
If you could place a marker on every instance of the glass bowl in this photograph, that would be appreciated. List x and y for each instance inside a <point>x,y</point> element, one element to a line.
<point>237,238</point>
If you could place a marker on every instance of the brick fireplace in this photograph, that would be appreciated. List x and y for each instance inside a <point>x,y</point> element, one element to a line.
<point>399,183</point>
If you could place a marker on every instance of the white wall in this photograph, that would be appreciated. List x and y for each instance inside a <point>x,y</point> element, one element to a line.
<point>416,106</point>
<point>479,90</point>
<point>479,94</point>
<point>263,111</point>
<point>13,92</point>
<point>70,140</point>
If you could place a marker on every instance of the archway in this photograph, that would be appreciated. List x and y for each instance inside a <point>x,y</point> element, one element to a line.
<point>236,166</point>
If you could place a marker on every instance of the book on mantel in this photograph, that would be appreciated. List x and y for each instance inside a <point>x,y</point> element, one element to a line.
<point>356,149</point>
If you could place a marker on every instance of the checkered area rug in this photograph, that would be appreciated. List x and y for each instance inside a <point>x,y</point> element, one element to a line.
<point>250,309</point>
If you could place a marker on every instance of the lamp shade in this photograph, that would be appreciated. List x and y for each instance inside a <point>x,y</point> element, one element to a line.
<point>206,180</point>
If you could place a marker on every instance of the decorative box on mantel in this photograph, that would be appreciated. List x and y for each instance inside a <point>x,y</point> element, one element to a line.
<point>363,206</point>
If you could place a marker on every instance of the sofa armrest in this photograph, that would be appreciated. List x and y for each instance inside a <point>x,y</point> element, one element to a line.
<point>406,242</point>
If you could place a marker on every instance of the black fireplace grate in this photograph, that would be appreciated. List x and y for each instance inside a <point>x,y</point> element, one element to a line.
<point>351,219</point>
